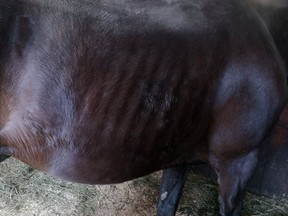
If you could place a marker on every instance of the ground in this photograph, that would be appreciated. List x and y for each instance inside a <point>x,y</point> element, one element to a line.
<point>27,192</point>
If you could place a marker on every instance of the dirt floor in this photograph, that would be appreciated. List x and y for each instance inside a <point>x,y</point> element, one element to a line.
<point>24,191</point>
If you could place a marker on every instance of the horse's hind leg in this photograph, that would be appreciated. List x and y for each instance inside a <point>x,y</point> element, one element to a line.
<point>173,180</point>
<point>233,175</point>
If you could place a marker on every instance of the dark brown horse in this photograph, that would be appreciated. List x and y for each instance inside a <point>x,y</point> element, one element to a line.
<point>106,91</point>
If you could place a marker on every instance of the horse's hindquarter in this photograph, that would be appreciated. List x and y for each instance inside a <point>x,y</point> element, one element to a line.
<point>251,93</point>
